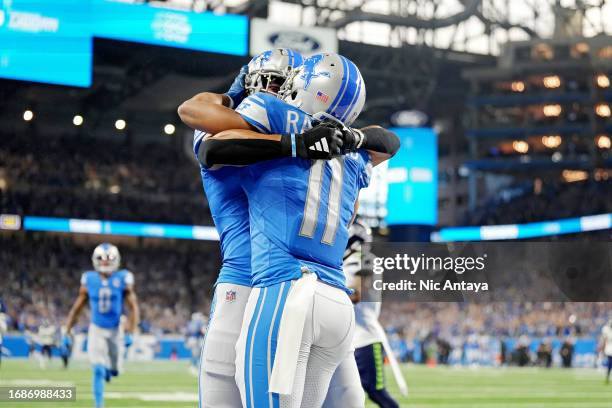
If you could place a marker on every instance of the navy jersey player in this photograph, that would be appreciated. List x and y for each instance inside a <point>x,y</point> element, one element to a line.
<point>299,213</point>
<point>106,289</point>
<point>369,337</point>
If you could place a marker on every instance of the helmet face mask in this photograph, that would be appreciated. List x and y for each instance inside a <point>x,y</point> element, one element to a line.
<point>268,71</point>
<point>106,258</point>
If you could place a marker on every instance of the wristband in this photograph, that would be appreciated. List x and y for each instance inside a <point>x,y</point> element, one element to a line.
<point>293,146</point>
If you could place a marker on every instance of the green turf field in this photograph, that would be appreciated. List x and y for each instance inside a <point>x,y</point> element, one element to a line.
<point>168,384</point>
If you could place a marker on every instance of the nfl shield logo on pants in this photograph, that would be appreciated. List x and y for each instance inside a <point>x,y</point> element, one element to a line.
<point>230,295</point>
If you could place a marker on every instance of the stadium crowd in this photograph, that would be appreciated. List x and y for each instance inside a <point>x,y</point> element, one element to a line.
<point>42,274</point>
<point>41,277</point>
<point>550,201</point>
<point>101,179</point>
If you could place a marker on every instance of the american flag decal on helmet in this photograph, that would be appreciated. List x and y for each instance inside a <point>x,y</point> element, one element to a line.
<point>322,97</point>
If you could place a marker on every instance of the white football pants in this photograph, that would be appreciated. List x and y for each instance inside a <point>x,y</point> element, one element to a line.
<point>326,341</point>
<point>217,386</point>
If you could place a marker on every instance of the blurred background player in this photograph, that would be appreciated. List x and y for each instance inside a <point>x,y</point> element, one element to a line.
<point>3,326</point>
<point>606,339</point>
<point>228,204</point>
<point>46,341</point>
<point>106,288</point>
<point>194,337</point>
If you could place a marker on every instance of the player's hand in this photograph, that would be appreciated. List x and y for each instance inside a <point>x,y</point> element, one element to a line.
<point>66,338</point>
<point>323,141</point>
<point>352,139</point>
<point>128,338</point>
<point>237,92</point>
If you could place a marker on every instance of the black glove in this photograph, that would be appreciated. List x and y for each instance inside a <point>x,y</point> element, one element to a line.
<point>323,141</point>
<point>352,139</point>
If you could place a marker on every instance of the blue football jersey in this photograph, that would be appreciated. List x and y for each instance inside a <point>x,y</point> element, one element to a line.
<point>299,209</point>
<point>230,211</point>
<point>106,296</point>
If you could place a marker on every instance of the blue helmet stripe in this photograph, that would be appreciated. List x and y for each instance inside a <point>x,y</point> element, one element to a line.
<point>354,100</point>
<point>349,92</point>
<point>342,89</point>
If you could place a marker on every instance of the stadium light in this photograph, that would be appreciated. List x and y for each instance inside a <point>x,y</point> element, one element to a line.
<point>518,86</point>
<point>120,124</point>
<point>28,115</point>
<point>520,146</point>
<point>552,81</point>
<point>556,157</point>
<point>603,81</point>
<point>604,142</point>
<point>551,141</point>
<point>552,110</point>
<point>169,129</point>
<point>572,176</point>
<point>77,120</point>
<point>603,110</point>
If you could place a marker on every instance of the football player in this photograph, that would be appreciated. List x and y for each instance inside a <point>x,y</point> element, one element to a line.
<point>606,345</point>
<point>299,320</point>
<point>194,336</point>
<point>3,325</point>
<point>369,334</point>
<point>228,203</point>
<point>106,288</point>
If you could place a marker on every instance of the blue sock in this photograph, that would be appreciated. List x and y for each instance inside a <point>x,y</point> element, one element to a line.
<point>99,374</point>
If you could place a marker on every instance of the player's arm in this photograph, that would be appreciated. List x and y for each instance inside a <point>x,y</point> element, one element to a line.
<point>197,112</point>
<point>210,112</point>
<point>243,147</point>
<point>381,144</point>
<point>132,303</point>
<point>76,309</point>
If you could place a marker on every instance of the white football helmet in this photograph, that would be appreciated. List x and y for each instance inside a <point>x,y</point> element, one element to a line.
<point>268,71</point>
<point>327,84</point>
<point>106,258</point>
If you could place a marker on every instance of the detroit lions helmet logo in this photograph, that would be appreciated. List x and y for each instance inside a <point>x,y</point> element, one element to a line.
<point>263,58</point>
<point>309,72</point>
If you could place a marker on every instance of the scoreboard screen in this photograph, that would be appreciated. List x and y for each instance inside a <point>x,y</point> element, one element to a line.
<point>46,41</point>
<point>412,178</point>
<point>51,41</point>
<point>225,34</point>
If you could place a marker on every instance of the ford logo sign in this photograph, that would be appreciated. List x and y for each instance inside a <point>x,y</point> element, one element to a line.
<point>295,40</point>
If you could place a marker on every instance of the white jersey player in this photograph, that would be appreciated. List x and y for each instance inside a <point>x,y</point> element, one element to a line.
<point>369,334</point>
<point>606,338</point>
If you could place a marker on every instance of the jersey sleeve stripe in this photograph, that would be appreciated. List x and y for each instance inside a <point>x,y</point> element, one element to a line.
<point>258,125</point>
<point>258,101</point>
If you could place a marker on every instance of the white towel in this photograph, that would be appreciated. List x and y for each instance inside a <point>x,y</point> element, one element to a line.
<point>297,305</point>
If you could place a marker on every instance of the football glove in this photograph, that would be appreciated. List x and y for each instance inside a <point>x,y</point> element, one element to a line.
<point>323,141</point>
<point>352,139</point>
<point>128,339</point>
<point>237,92</point>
